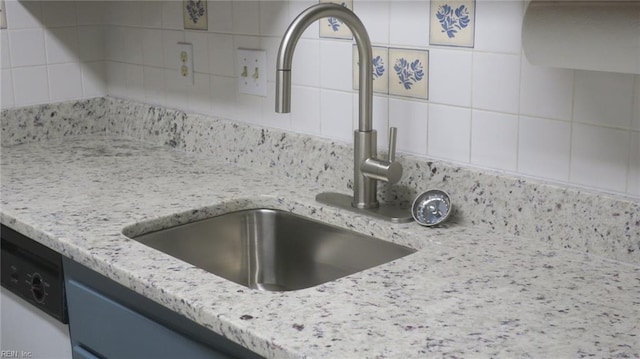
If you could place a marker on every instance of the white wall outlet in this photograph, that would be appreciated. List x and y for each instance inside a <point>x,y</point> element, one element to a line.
<point>185,62</point>
<point>252,72</point>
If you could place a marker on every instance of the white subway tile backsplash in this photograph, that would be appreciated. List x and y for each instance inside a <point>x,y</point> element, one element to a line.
<point>375,17</point>
<point>5,58</point>
<point>134,81</point>
<point>246,42</point>
<point>133,45</point>
<point>176,90</point>
<point>152,14</point>
<point>336,115</point>
<point>65,81</point>
<point>130,13</point>
<point>603,98</point>
<point>411,119</point>
<point>221,55</point>
<point>61,45</point>
<point>449,132</point>
<point>271,45</point>
<point>6,89</point>
<point>114,43</point>
<point>496,82</point>
<point>154,85</point>
<point>544,148</point>
<point>170,48</point>
<point>152,47</point>
<point>30,85</point>
<point>450,77</point>
<point>498,26</point>
<point>636,108</point>
<point>409,23</point>
<point>93,79</point>
<point>306,65</point>
<point>246,17</point>
<point>117,84</point>
<point>633,180</point>
<point>91,43</point>
<point>220,16</point>
<point>274,17</point>
<point>90,12</point>
<point>335,65</point>
<point>599,157</point>
<point>199,95</point>
<point>494,140</point>
<point>23,14</point>
<point>112,12</point>
<point>546,92</point>
<point>26,47</point>
<point>249,108</point>
<point>59,13</point>
<point>305,110</point>
<point>223,96</point>
<point>172,15</point>
<point>200,41</point>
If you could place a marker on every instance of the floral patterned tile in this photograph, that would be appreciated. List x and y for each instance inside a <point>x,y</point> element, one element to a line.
<point>409,74</point>
<point>195,14</point>
<point>380,69</point>
<point>453,23</point>
<point>332,27</point>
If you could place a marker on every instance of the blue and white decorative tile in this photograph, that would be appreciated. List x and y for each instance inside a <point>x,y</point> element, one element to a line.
<point>332,27</point>
<point>453,23</point>
<point>195,14</point>
<point>380,69</point>
<point>409,73</point>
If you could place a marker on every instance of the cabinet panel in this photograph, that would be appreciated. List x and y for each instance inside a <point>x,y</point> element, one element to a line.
<point>80,353</point>
<point>114,331</point>
<point>108,320</point>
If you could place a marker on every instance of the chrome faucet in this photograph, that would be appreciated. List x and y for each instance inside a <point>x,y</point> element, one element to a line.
<point>367,168</point>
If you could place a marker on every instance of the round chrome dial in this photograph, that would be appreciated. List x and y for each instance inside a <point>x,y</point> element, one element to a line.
<point>431,207</point>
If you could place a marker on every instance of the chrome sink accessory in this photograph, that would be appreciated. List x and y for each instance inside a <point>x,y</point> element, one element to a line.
<point>431,207</point>
<point>367,168</point>
<point>272,250</point>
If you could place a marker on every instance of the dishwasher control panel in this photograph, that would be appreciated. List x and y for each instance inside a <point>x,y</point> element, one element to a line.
<point>33,272</point>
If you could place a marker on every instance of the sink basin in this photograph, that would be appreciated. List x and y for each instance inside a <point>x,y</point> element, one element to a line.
<point>273,250</point>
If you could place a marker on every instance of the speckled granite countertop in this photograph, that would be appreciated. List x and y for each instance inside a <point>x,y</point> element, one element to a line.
<point>466,292</point>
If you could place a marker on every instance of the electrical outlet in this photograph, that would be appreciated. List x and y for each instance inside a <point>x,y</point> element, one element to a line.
<point>252,75</point>
<point>185,62</point>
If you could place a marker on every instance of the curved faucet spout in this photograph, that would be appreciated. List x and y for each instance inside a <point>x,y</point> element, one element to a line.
<point>367,167</point>
<point>288,44</point>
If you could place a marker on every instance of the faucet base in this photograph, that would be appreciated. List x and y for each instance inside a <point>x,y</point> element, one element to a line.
<point>385,212</point>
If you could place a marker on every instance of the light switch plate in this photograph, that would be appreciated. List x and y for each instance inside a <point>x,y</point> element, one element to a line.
<point>185,62</point>
<point>252,72</point>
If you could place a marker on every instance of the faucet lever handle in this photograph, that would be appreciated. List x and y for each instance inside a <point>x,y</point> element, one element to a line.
<point>393,137</point>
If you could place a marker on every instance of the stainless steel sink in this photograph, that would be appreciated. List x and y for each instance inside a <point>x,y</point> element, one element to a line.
<point>273,250</point>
